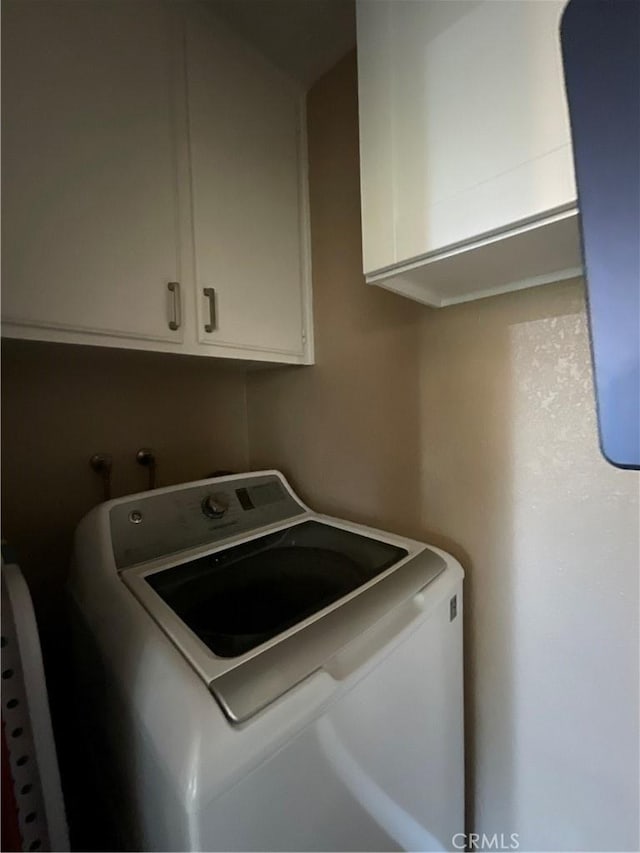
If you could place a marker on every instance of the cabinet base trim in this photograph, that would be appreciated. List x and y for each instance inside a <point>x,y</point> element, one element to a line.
<point>541,252</point>
<point>13,323</point>
<point>227,354</point>
<point>405,287</point>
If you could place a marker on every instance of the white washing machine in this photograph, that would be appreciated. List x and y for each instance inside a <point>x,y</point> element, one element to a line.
<point>256,676</point>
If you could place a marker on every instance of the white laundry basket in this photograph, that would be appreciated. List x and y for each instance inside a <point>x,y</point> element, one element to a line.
<point>33,764</point>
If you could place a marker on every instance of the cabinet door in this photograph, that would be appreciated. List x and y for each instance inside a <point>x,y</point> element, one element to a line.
<point>90,237</point>
<point>375,94</point>
<point>244,128</point>
<point>464,122</point>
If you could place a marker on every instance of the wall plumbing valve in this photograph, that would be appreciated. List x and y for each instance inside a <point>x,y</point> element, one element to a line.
<point>147,458</point>
<point>102,464</point>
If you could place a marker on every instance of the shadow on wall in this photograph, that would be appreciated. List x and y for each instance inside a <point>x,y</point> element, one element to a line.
<point>61,404</point>
<point>473,427</point>
<point>346,431</point>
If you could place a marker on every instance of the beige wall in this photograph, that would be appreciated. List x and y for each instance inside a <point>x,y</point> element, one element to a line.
<point>474,427</point>
<point>63,403</point>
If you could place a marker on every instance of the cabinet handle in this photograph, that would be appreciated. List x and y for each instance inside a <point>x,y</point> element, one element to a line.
<point>210,293</point>
<point>174,287</point>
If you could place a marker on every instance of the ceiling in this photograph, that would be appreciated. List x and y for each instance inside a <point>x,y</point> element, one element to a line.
<point>304,38</point>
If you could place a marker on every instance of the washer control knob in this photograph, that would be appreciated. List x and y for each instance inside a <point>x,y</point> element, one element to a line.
<point>215,506</point>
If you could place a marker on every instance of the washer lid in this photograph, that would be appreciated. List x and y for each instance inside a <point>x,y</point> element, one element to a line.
<point>238,598</point>
<point>391,603</point>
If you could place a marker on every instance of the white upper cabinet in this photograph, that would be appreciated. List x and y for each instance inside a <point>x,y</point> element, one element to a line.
<point>89,227</point>
<point>246,155</point>
<point>466,162</point>
<point>149,155</point>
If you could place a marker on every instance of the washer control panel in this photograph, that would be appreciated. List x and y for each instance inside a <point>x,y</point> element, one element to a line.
<point>157,525</point>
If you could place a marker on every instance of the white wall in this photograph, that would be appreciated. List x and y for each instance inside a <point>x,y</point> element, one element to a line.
<point>511,470</point>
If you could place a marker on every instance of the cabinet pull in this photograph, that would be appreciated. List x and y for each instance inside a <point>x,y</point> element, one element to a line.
<point>174,287</point>
<point>210,293</point>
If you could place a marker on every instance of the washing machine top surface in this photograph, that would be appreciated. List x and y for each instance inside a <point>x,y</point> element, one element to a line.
<point>254,588</point>
<point>240,597</point>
